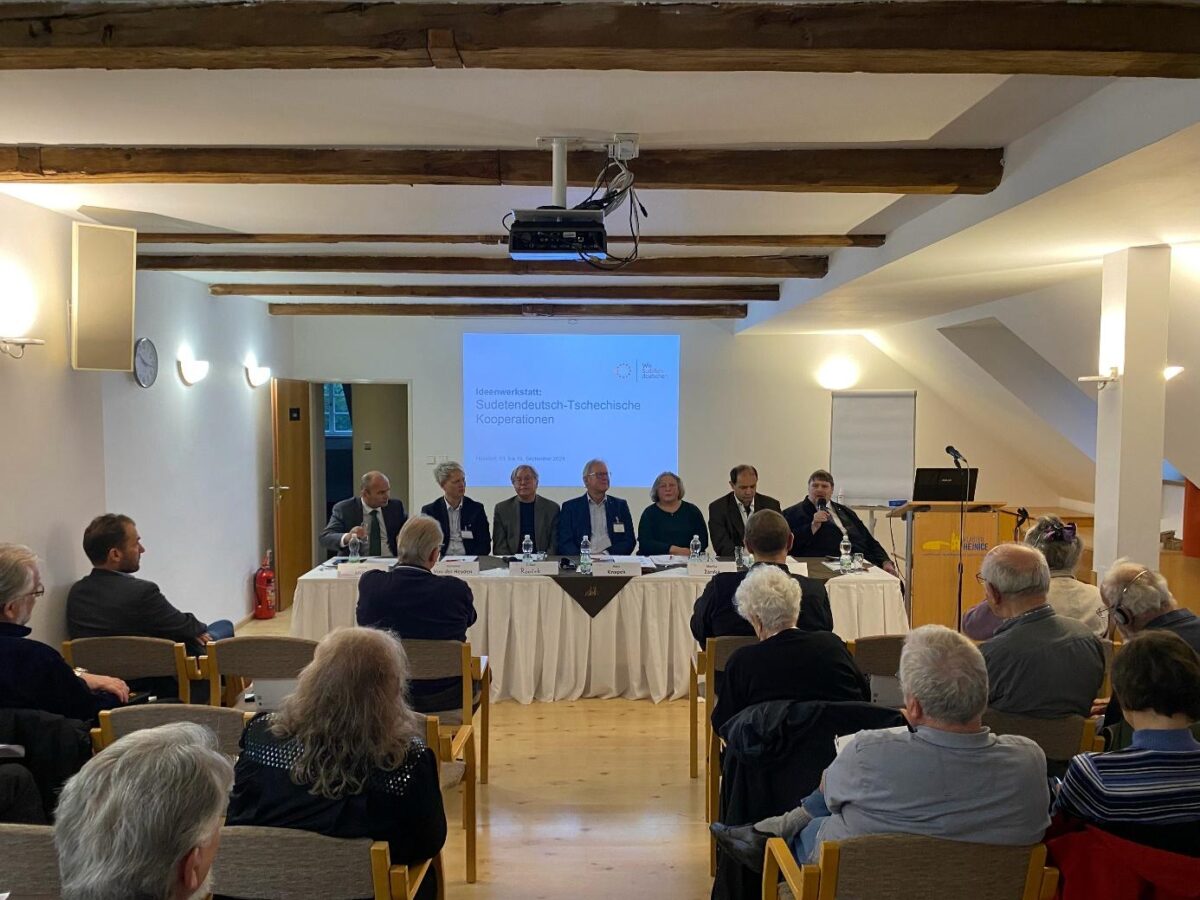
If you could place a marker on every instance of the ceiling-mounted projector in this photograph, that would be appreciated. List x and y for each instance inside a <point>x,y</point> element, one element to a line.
<point>557,234</point>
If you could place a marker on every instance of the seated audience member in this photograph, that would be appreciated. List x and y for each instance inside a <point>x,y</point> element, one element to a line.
<point>768,538</point>
<point>787,664</point>
<point>669,523</point>
<point>727,515</point>
<point>415,603</point>
<point>818,525</point>
<point>464,521</point>
<point>345,756</point>
<point>112,602</point>
<point>1148,793</point>
<point>20,799</point>
<point>373,517</point>
<point>1136,600</point>
<point>1069,596</point>
<point>143,818</point>
<point>528,513</point>
<point>604,520</point>
<point>944,775</point>
<point>1039,663</point>
<point>33,675</point>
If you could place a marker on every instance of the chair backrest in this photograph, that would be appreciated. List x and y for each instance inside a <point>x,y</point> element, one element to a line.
<point>437,659</point>
<point>280,863</point>
<point>719,649</point>
<point>131,657</point>
<point>917,868</point>
<point>878,654</point>
<point>1060,739</point>
<point>261,656</point>
<point>227,724</point>
<point>28,862</point>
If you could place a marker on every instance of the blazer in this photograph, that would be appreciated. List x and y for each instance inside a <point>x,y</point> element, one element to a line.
<point>575,521</point>
<point>472,518</point>
<point>828,539</point>
<point>715,615</point>
<point>348,514</point>
<point>725,521</point>
<point>107,604</point>
<point>507,519</point>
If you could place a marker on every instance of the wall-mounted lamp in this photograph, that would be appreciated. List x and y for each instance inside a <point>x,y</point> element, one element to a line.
<point>1102,381</point>
<point>255,374</point>
<point>838,373</point>
<point>191,370</point>
<point>15,346</point>
<point>1171,371</point>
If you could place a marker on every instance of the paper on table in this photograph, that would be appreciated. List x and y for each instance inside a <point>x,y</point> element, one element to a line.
<point>459,558</point>
<point>796,567</point>
<point>669,559</point>
<point>644,561</point>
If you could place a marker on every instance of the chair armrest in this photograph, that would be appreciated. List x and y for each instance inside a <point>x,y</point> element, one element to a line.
<point>198,668</point>
<point>1049,883</point>
<point>778,860</point>
<point>431,732</point>
<point>699,663</point>
<point>405,880</point>
<point>97,741</point>
<point>461,738</point>
<point>479,665</point>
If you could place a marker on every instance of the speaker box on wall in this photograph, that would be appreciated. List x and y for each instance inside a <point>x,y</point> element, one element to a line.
<point>103,270</point>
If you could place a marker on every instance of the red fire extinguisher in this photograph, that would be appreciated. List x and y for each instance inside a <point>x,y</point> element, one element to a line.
<point>264,590</point>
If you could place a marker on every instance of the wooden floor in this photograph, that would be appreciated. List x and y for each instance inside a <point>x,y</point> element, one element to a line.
<point>586,800</point>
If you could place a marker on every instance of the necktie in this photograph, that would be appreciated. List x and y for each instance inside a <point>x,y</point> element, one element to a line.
<point>747,505</point>
<point>374,531</point>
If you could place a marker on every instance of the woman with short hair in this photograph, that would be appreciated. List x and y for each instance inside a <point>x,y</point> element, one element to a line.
<point>345,756</point>
<point>668,526</point>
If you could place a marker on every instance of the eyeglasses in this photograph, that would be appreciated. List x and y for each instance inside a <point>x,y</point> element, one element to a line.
<point>38,592</point>
<point>979,577</point>
<point>598,475</point>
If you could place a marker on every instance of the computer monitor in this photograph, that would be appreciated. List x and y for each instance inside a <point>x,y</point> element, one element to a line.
<point>945,484</point>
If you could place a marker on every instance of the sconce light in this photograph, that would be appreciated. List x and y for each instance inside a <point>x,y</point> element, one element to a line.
<point>1102,381</point>
<point>1171,371</point>
<point>255,374</point>
<point>18,309</point>
<point>15,346</point>
<point>191,370</point>
<point>838,373</point>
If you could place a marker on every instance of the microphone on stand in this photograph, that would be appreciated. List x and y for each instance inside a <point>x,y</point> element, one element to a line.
<point>958,458</point>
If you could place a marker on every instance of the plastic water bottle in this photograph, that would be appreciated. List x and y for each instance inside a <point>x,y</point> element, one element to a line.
<point>847,560</point>
<point>694,547</point>
<point>355,546</point>
<point>585,556</point>
<point>527,550</point>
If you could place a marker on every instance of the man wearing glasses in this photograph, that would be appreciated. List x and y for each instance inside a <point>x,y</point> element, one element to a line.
<point>525,514</point>
<point>605,520</point>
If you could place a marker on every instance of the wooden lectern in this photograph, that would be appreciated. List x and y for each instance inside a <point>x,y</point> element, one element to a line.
<point>931,555</point>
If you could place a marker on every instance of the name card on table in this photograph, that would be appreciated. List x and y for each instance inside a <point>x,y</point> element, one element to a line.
<point>704,567</point>
<point>457,567</point>
<point>355,569</point>
<point>620,569</point>
<point>544,567</point>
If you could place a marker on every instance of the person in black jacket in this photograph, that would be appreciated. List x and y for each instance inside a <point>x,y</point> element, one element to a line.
<point>345,755</point>
<point>464,521</point>
<point>787,663</point>
<point>374,517</point>
<point>414,603</point>
<point>818,524</point>
<point>768,538</point>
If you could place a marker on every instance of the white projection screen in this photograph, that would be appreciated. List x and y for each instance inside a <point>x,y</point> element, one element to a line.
<point>557,400</point>
<point>872,445</point>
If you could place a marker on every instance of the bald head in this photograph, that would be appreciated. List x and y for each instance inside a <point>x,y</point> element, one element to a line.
<point>375,489</point>
<point>1017,579</point>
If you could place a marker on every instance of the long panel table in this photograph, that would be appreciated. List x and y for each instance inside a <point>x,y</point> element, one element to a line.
<point>543,646</point>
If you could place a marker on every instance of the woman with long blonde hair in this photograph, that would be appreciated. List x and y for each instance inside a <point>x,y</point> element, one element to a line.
<point>344,755</point>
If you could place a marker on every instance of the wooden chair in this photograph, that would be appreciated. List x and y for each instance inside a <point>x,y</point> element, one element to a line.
<point>909,867</point>
<point>29,862</point>
<point>717,651</point>
<point>456,765</point>
<point>227,724</point>
<point>265,656</point>
<point>453,659</point>
<point>1060,739</point>
<point>128,658</point>
<point>283,863</point>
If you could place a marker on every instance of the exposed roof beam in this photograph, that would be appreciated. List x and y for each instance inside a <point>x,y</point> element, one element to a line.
<point>1052,38</point>
<point>672,266</point>
<point>725,293</point>
<point>501,240</point>
<point>523,310</point>
<point>888,171</point>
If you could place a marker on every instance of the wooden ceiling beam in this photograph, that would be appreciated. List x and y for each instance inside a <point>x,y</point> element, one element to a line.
<point>946,36</point>
<point>521,310</point>
<point>888,171</point>
<point>689,293</point>
<point>670,266</point>
<point>501,240</point>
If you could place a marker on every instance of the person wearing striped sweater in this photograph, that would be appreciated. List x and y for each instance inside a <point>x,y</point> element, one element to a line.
<point>1148,793</point>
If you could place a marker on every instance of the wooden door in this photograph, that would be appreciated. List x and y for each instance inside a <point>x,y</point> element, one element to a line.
<point>291,484</point>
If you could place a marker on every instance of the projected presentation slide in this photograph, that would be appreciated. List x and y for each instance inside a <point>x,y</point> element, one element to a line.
<point>557,400</point>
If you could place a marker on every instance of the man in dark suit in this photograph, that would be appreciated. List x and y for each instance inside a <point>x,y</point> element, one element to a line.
<point>464,521</point>
<point>112,602</point>
<point>818,524</point>
<point>787,663</point>
<point>525,514</point>
<point>373,502</point>
<point>419,605</point>
<point>605,520</point>
<point>727,515</point>
<point>768,538</point>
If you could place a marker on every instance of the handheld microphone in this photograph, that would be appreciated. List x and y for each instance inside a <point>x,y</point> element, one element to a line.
<point>822,504</point>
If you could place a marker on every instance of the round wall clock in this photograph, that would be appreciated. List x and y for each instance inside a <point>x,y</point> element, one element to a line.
<point>145,362</point>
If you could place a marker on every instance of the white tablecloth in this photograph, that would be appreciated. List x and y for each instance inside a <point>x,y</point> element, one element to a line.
<point>543,646</point>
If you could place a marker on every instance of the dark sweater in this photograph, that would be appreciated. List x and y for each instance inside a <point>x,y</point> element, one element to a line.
<point>658,530</point>
<point>34,676</point>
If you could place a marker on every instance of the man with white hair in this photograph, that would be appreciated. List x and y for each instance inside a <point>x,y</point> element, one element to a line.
<point>373,517</point>
<point>1039,663</point>
<point>142,819</point>
<point>787,663</point>
<point>525,513</point>
<point>603,519</point>
<point>944,775</point>
<point>464,521</point>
